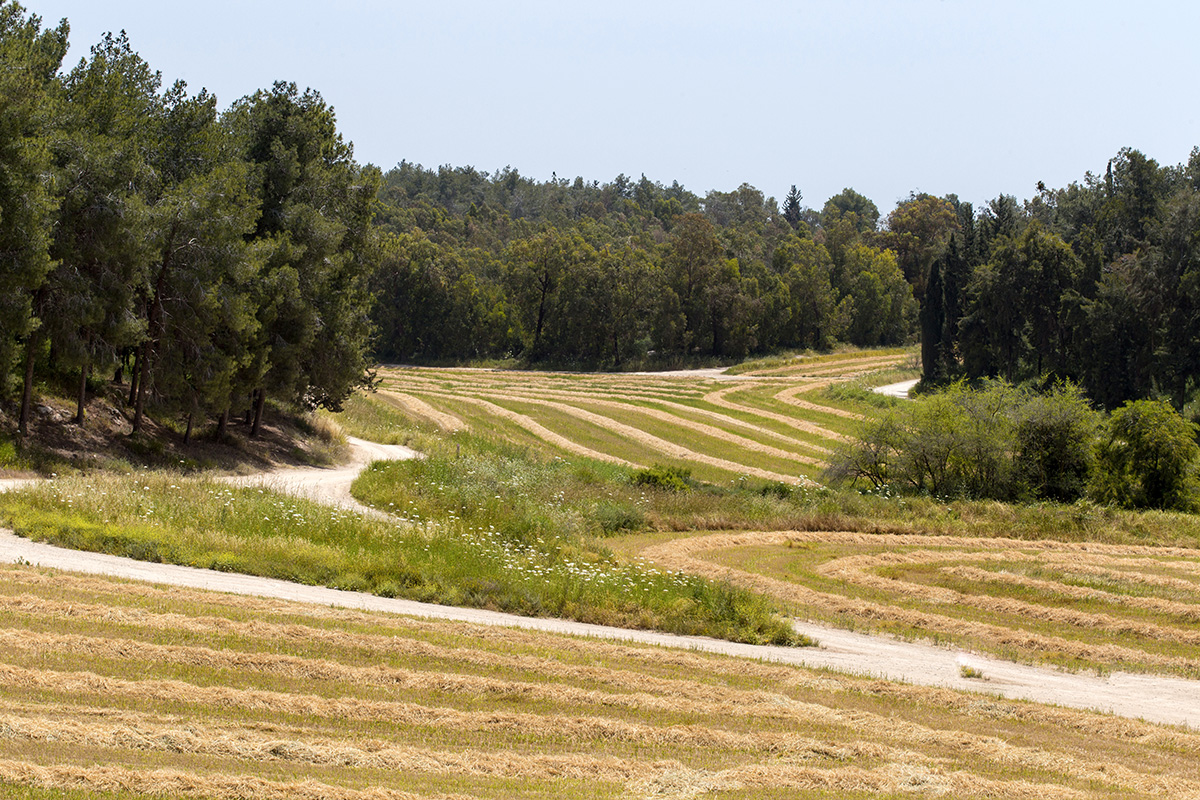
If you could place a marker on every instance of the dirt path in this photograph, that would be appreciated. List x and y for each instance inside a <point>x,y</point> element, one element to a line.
<point>330,485</point>
<point>1150,697</point>
<point>900,389</point>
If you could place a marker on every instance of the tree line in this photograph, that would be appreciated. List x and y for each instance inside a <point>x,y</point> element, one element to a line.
<point>478,265</point>
<point>215,258</point>
<point>1097,283</point>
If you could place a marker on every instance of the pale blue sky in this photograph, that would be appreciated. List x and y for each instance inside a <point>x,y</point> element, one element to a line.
<point>886,97</point>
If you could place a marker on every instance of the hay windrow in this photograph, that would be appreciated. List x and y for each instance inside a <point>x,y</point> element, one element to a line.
<point>856,570</point>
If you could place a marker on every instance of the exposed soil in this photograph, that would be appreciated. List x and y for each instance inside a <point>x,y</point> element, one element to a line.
<point>105,440</point>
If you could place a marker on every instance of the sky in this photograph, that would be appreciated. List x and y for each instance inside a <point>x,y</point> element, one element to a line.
<point>888,97</point>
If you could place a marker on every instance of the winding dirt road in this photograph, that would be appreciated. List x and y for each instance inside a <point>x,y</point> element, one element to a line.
<point>1151,697</point>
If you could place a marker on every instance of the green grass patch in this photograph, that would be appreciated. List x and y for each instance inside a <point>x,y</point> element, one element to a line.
<point>474,529</point>
<point>523,533</point>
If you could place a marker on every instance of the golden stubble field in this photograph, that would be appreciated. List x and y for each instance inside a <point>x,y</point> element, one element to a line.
<point>127,690</point>
<point>120,690</point>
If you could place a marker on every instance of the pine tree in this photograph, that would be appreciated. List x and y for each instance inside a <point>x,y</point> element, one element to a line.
<point>791,207</point>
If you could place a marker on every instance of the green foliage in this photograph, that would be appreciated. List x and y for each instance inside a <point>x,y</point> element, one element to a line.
<point>665,478</point>
<point>1147,458</point>
<point>30,57</point>
<point>998,442</point>
<point>8,454</point>
<point>1056,432</point>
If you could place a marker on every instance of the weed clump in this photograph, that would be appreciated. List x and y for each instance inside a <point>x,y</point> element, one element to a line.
<point>666,478</point>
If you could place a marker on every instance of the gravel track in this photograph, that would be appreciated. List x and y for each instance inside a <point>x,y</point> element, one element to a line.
<point>1155,698</point>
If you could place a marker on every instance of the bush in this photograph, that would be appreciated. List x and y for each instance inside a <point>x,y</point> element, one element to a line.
<point>1147,458</point>
<point>1056,434</point>
<point>997,442</point>
<point>670,479</point>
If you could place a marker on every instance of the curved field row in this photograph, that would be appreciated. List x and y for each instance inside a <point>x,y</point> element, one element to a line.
<point>669,410</point>
<point>663,447</point>
<point>143,690</point>
<point>1079,604</point>
<point>593,410</point>
<point>416,407</point>
<point>684,418</point>
<point>839,364</point>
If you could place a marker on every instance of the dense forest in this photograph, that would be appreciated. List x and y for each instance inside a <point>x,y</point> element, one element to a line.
<point>213,258</point>
<point>1098,282</point>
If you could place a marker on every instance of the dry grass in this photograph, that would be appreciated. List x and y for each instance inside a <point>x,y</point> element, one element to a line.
<point>991,594</point>
<point>690,420</point>
<point>139,691</point>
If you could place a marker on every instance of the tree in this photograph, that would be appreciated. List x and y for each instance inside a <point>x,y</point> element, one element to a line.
<point>198,307</point>
<point>1147,458</point>
<point>535,270</point>
<point>791,207</point>
<point>100,236</point>
<point>917,232</point>
<point>882,309</point>
<point>850,205</point>
<point>1056,441</point>
<point>31,59</point>
<point>816,317</point>
<point>1017,309</point>
<point>692,262</point>
<point>317,249</point>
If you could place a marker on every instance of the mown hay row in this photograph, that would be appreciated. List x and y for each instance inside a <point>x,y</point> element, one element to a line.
<point>572,729</point>
<point>417,407</point>
<point>1116,728</point>
<point>539,430</point>
<point>654,443</point>
<point>664,416</point>
<point>175,783</point>
<point>718,398</point>
<point>789,396</point>
<point>683,555</point>
<point>851,367</point>
<point>623,680</point>
<point>535,395</point>
<point>874,729</point>
<point>858,570</point>
<point>291,745</point>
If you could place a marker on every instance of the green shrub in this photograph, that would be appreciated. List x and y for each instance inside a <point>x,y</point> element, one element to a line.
<point>615,517</point>
<point>1056,434</point>
<point>1147,458</point>
<point>997,443</point>
<point>8,454</point>
<point>670,479</point>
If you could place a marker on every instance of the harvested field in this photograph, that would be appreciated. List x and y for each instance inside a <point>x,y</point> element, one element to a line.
<point>700,419</point>
<point>1075,604</point>
<point>131,691</point>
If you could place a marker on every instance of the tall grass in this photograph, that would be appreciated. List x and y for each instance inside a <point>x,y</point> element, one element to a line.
<point>472,551</point>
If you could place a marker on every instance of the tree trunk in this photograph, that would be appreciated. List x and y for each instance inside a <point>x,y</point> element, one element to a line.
<point>83,376</point>
<point>187,435</point>
<point>260,399</point>
<point>139,380</point>
<point>133,375</point>
<point>31,349</point>
<point>222,424</point>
